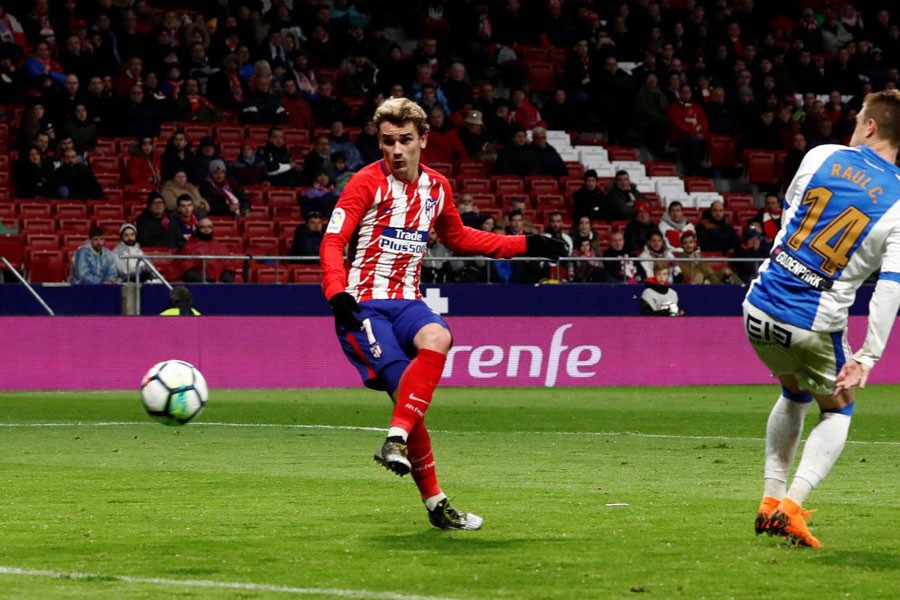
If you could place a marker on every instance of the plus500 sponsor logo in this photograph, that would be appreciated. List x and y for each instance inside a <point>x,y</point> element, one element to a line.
<point>403,241</point>
<point>532,362</point>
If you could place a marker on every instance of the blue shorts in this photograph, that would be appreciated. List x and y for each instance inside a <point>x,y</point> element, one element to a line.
<point>393,327</point>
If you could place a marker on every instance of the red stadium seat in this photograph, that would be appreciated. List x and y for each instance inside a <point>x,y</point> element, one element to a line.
<point>699,184</point>
<point>484,200</point>
<point>228,133</point>
<point>306,275</point>
<point>104,164</point>
<point>232,242</point>
<point>46,266</point>
<point>254,229</point>
<point>504,184</point>
<point>444,168</point>
<point>70,210</point>
<point>661,169</point>
<point>258,213</point>
<point>543,186</point>
<point>42,241</point>
<point>34,210</point>
<point>224,226</point>
<point>470,168</point>
<point>759,165</point>
<point>296,137</point>
<point>619,153</point>
<point>575,169</point>
<point>475,185</point>
<point>541,77</point>
<point>722,151</point>
<point>108,211</point>
<point>282,197</point>
<point>280,213</point>
<point>261,245</point>
<point>40,226</point>
<point>738,201</point>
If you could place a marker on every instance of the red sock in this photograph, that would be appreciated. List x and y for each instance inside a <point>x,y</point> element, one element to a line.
<point>423,473</point>
<point>417,386</point>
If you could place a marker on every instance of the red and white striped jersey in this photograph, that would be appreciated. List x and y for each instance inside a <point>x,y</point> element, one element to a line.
<point>387,222</point>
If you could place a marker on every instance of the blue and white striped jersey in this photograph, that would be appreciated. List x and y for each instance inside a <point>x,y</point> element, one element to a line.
<point>841,223</point>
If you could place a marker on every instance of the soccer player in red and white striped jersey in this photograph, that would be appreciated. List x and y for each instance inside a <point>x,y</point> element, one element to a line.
<point>389,334</point>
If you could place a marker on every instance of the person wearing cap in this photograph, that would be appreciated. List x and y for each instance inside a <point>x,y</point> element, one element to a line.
<point>144,167</point>
<point>473,136</point>
<point>225,196</point>
<point>587,201</point>
<point>154,227</point>
<point>94,263</point>
<point>621,200</point>
<point>126,251</point>
<point>753,246</point>
<point>639,228</point>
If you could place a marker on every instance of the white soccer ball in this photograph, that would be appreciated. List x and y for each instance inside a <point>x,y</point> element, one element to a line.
<point>173,392</point>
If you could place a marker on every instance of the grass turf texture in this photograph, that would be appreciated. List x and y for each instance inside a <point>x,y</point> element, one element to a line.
<point>306,507</point>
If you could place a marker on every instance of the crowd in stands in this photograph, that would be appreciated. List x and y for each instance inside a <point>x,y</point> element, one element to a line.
<point>228,113</point>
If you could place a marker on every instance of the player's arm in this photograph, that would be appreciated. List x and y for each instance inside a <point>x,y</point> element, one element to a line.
<point>355,201</point>
<point>466,240</point>
<point>883,309</point>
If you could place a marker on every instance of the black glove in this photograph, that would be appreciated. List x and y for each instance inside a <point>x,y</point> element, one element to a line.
<point>541,246</point>
<point>344,306</point>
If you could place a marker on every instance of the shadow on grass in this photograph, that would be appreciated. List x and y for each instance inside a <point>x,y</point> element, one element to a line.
<point>870,560</point>
<point>461,542</point>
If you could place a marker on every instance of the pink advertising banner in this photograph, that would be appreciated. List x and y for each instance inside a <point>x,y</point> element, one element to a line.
<point>79,353</point>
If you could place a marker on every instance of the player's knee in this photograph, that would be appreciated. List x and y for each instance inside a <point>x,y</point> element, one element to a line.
<point>437,338</point>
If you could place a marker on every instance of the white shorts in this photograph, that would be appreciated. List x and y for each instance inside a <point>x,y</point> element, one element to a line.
<point>813,357</point>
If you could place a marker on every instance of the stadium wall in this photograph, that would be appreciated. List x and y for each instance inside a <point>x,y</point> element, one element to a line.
<point>95,353</point>
<point>473,300</point>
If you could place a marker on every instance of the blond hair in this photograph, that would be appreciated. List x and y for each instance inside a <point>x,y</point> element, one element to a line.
<point>399,111</point>
<point>884,109</point>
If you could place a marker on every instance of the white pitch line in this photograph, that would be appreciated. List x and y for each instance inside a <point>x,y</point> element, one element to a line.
<point>663,436</point>
<point>227,585</point>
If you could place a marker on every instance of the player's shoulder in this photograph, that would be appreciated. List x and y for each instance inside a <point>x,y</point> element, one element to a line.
<point>435,175</point>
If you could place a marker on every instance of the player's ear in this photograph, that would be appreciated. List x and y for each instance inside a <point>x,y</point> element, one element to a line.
<point>424,139</point>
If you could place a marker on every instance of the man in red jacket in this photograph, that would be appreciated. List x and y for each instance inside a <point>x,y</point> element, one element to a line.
<point>688,128</point>
<point>395,341</point>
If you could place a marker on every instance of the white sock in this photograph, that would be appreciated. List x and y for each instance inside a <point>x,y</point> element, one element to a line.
<point>823,447</point>
<point>397,432</point>
<point>783,432</point>
<point>433,501</point>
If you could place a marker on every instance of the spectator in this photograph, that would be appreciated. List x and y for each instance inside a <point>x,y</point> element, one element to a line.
<point>555,230</point>
<point>225,197</point>
<point>144,166</point>
<point>673,225</point>
<point>457,87</point>
<point>639,229</point>
<point>326,108</point>
<point>339,141</point>
<point>752,248</point>
<point>299,110</point>
<point>282,169</point>
<point>714,233</point>
<point>74,180</point>
<point>795,156</point>
<point>517,158</point>
<point>586,271</point>
<point>436,268</point>
<point>226,90</point>
<point>688,128</point>
<point>473,137</point>
<point>207,151</point>
<point>34,121</point>
<point>260,104</point>
<point>444,145</point>
<point>308,237</point>
<point>658,299</point>
<point>721,118</point>
<point>549,162</point>
<point>127,251</point>
<point>178,156</point>
<point>137,118</point>
<point>559,112</point>
<point>317,161</point>
<point>184,216</point>
<point>655,251</point>
<point>525,113</point>
<point>517,207</point>
<point>764,135</point>
<point>154,228</point>
<point>93,263</point>
<point>41,64</point>
<point>249,168</point>
<point>32,174</point>
<point>622,270</point>
<point>81,129</point>
<point>320,198</point>
<point>192,106</point>
<point>180,186</point>
<point>588,201</point>
<point>203,243</point>
<point>340,171</point>
<point>131,76</point>
<point>583,231</point>
<point>367,142</point>
<point>698,271</point>
<point>769,216</point>
<point>622,199</point>
<point>651,109</point>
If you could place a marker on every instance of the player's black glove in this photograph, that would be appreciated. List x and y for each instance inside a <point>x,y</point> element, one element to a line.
<point>541,246</point>
<point>344,306</point>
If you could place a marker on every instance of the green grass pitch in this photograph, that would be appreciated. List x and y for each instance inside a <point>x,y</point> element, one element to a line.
<point>586,493</point>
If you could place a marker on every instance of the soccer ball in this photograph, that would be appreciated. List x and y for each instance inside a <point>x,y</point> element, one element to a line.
<point>173,392</point>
